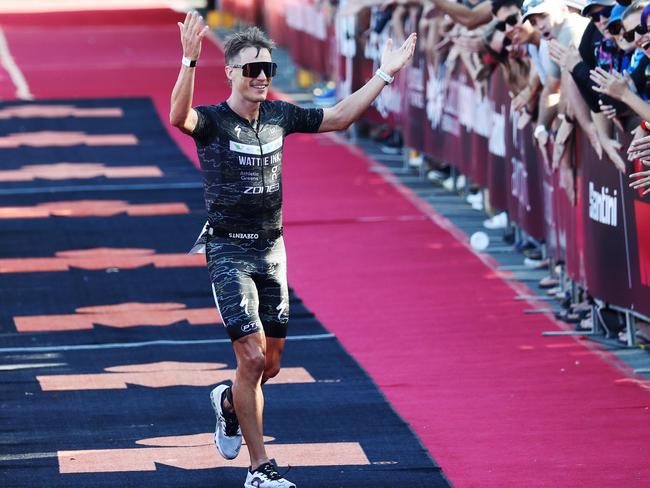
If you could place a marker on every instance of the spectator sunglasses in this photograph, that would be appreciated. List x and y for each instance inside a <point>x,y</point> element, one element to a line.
<point>615,27</point>
<point>510,20</point>
<point>601,14</point>
<point>631,34</point>
<point>253,70</point>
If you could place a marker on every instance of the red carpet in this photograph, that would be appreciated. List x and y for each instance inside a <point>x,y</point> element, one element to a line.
<point>496,404</point>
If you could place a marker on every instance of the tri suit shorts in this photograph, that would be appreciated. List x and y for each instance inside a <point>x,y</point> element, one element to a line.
<point>249,284</point>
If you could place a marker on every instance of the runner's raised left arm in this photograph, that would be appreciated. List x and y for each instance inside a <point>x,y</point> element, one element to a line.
<point>344,113</point>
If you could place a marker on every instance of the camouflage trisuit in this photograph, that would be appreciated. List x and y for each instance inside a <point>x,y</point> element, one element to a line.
<point>242,175</point>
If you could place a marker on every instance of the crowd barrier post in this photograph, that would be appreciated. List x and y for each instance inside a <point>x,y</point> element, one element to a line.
<point>405,169</point>
<point>453,174</point>
<point>422,169</point>
<point>630,328</point>
<point>596,329</point>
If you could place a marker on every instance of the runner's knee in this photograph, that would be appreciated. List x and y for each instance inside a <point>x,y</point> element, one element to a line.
<point>251,365</point>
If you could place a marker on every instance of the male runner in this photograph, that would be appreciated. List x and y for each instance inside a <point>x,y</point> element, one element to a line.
<point>239,144</point>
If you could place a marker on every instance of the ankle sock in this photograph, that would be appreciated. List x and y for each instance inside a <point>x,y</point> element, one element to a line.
<point>227,394</point>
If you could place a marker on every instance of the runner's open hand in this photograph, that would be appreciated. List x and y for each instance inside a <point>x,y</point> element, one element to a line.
<point>192,33</point>
<point>393,60</point>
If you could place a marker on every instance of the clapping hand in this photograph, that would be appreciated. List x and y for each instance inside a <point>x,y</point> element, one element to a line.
<point>613,84</point>
<point>566,57</point>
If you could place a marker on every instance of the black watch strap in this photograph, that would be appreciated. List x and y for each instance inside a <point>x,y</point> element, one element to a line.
<point>191,63</point>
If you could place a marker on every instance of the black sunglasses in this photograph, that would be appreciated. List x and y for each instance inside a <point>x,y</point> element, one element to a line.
<point>604,13</point>
<point>630,35</point>
<point>511,20</point>
<point>615,27</point>
<point>253,70</point>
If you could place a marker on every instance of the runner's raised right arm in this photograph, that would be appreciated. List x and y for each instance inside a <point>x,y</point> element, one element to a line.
<point>181,114</point>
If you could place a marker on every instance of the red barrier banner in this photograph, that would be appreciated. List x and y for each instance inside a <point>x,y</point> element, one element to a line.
<point>387,107</point>
<point>617,234</point>
<point>584,209</point>
<point>352,68</point>
<point>308,29</point>
<point>461,86</point>
<point>461,119</point>
<point>275,22</point>
<point>479,124</point>
<point>526,198</point>
<point>498,174</point>
<point>344,57</point>
<point>638,239</point>
<point>442,142</point>
<point>414,100</point>
<point>568,214</point>
<point>550,209</point>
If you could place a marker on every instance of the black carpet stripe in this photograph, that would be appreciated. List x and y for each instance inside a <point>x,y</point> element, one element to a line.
<point>341,405</point>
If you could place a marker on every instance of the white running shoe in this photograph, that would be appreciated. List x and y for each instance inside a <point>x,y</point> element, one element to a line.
<point>499,221</point>
<point>448,184</point>
<point>435,175</point>
<point>266,476</point>
<point>416,159</point>
<point>227,434</point>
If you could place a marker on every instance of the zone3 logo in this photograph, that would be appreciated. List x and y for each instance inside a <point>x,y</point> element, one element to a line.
<point>256,190</point>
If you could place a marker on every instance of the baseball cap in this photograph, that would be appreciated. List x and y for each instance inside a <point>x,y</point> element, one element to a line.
<point>532,7</point>
<point>593,3</point>
<point>617,14</point>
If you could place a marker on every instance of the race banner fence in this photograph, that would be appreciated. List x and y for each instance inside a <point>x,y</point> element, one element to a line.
<point>600,229</point>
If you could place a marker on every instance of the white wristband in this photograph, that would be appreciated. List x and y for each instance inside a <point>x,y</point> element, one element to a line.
<point>385,76</point>
<point>191,63</point>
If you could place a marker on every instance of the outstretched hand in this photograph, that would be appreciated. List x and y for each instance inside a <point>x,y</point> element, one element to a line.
<point>641,182</point>
<point>469,42</point>
<point>193,30</point>
<point>613,84</point>
<point>640,149</point>
<point>393,60</point>
<point>566,57</point>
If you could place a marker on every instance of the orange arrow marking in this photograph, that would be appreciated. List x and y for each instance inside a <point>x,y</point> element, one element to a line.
<point>92,208</point>
<point>32,111</point>
<point>198,452</point>
<point>159,375</point>
<point>122,315</point>
<point>78,171</point>
<point>100,258</point>
<point>63,139</point>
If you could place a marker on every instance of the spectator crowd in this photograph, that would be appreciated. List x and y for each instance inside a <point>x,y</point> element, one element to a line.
<point>574,69</point>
